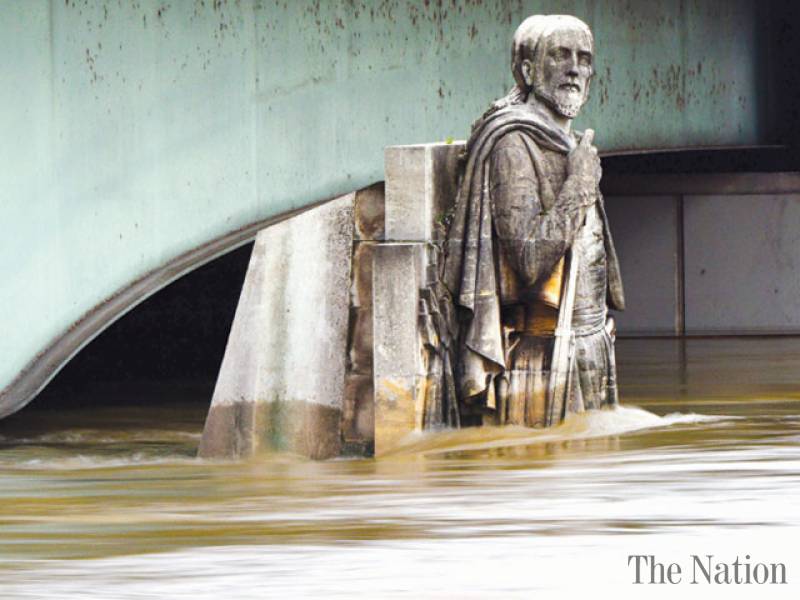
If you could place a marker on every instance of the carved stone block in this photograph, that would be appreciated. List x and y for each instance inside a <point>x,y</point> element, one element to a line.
<point>398,368</point>
<point>420,189</point>
<point>358,418</point>
<point>369,213</point>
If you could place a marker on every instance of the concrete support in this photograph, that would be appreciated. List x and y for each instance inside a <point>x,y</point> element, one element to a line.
<point>398,368</point>
<point>282,379</point>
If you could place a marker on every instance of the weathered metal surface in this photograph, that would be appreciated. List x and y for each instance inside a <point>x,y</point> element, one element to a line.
<point>716,184</point>
<point>135,132</point>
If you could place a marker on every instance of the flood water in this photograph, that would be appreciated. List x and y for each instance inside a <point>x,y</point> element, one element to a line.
<point>701,459</point>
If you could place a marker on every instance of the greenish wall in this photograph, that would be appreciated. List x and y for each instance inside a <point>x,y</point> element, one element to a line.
<point>134,131</point>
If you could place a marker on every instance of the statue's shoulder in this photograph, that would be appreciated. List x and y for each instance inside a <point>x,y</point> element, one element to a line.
<point>515,150</point>
<point>513,141</point>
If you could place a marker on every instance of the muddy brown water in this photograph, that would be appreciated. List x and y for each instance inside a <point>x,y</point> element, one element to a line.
<point>701,459</point>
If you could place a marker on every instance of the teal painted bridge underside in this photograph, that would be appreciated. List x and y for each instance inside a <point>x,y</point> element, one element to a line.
<point>134,132</point>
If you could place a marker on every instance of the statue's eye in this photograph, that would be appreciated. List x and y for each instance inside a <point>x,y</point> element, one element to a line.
<point>585,59</point>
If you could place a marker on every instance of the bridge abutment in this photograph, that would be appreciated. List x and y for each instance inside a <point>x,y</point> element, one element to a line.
<point>327,352</point>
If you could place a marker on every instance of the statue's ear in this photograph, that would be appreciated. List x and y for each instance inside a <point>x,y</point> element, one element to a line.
<point>527,72</point>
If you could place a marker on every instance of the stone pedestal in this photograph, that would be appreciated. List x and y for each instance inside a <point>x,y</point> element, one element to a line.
<point>420,189</point>
<point>282,379</point>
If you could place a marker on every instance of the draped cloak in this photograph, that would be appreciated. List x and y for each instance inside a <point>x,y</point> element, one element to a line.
<point>470,271</point>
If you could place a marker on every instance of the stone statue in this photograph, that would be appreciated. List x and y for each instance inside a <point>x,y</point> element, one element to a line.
<point>530,262</point>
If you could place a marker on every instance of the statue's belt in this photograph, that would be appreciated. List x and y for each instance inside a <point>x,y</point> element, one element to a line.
<point>541,320</point>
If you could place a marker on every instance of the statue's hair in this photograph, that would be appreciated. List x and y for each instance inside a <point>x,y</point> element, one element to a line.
<point>528,38</point>
<point>526,44</point>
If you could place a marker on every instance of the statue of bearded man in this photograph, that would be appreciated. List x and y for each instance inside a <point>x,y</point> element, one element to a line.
<point>529,255</point>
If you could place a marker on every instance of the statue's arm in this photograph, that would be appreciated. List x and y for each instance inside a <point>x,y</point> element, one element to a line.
<point>533,240</point>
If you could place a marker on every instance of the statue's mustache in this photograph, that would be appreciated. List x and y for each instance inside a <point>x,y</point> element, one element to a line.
<point>570,86</point>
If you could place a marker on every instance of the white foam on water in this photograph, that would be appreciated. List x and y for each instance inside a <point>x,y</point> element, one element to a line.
<point>94,436</point>
<point>591,424</point>
<point>90,461</point>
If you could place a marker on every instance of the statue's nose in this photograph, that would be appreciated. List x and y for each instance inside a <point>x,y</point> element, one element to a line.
<point>572,66</point>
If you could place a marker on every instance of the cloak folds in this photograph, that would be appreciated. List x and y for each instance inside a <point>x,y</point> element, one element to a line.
<point>469,268</point>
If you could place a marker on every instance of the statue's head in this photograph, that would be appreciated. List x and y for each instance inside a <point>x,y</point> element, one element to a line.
<point>552,58</point>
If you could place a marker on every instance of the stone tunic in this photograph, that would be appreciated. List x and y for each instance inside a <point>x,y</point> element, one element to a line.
<point>590,297</point>
<point>534,228</point>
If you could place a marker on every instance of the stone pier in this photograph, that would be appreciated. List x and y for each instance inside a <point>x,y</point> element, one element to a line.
<point>281,383</point>
<point>329,351</point>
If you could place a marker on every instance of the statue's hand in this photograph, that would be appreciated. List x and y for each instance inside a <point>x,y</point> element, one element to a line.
<point>583,163</point>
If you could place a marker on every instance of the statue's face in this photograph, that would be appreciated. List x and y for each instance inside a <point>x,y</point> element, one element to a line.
<point>561,77</point>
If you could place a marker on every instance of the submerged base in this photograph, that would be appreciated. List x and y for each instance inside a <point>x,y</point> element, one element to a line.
<point>242,429</point>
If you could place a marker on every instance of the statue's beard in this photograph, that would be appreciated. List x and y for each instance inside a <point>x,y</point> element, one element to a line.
<point>565,103</point>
